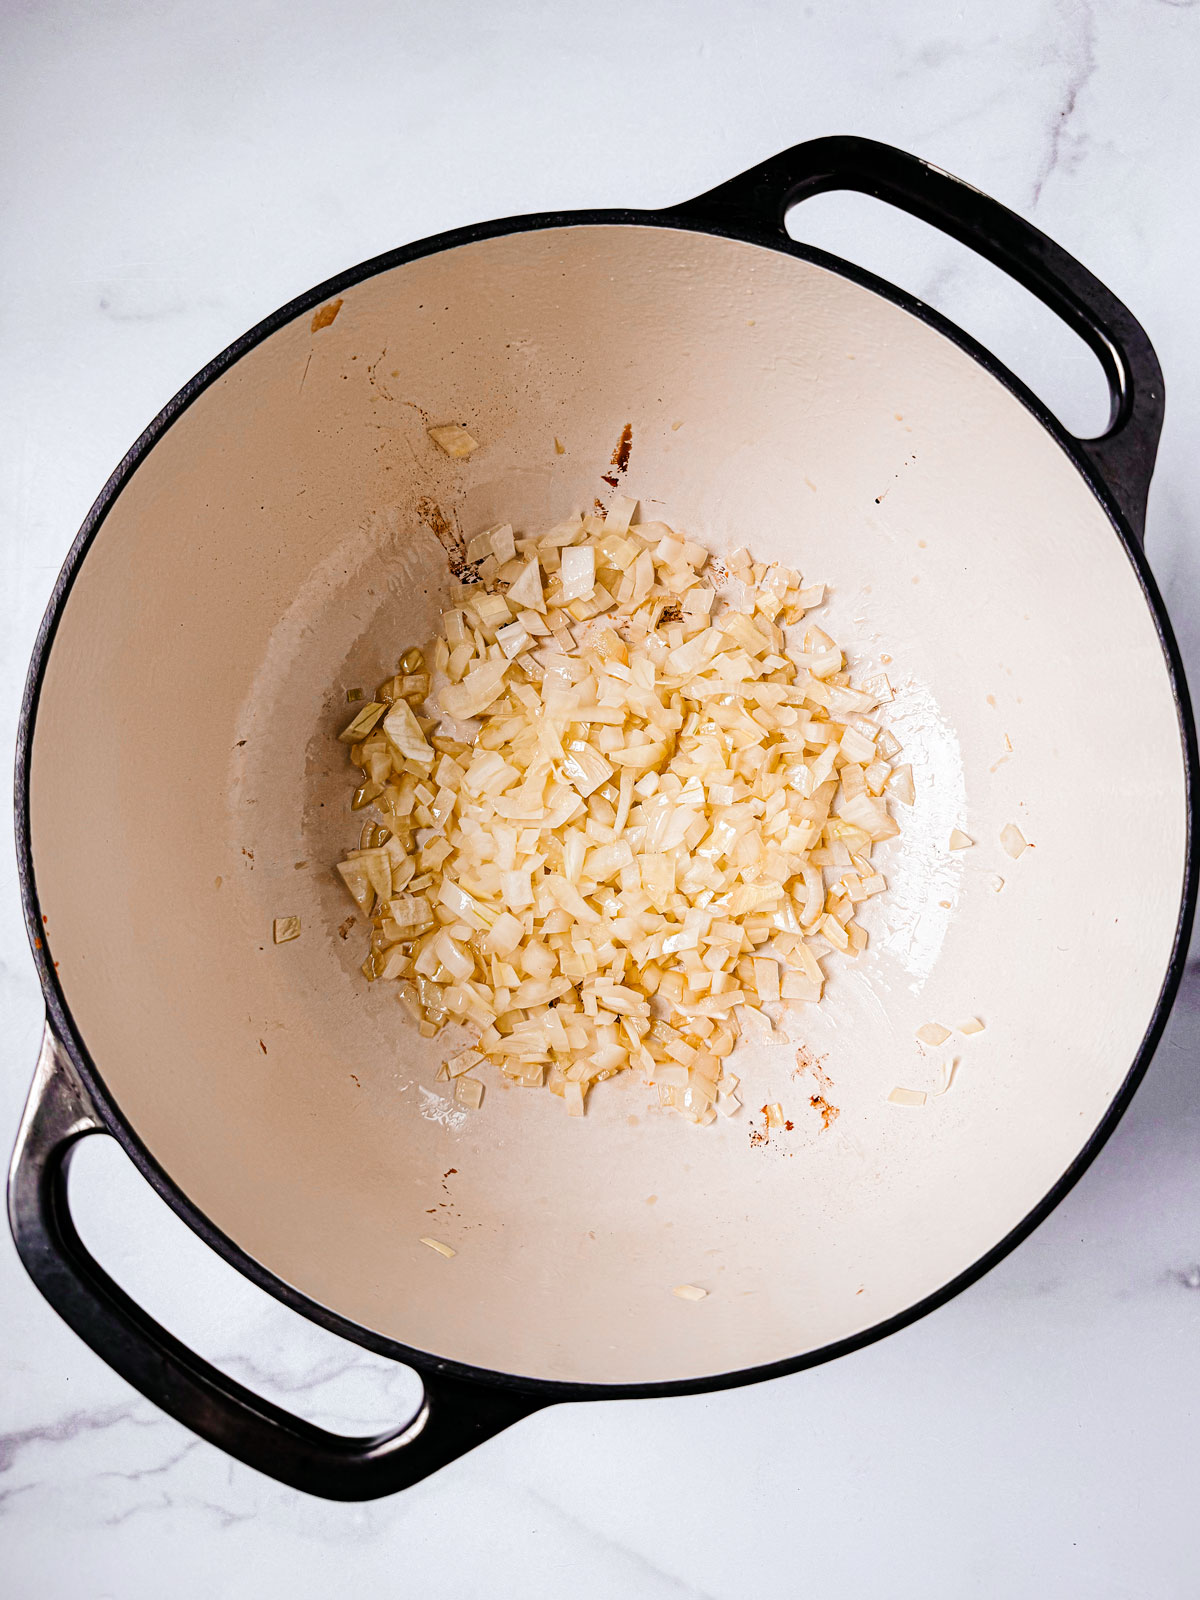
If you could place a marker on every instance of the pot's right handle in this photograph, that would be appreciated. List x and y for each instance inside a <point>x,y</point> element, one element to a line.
<point>454,1415</point>
<point>1122,458</point>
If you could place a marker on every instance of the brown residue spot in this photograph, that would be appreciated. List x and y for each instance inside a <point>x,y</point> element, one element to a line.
<point>45,919</point>
<point>439,524</point>
<point>610,478</point>
<point>248,853</point>
<point>326,315</point>
<point>239,744</point>
<point>359,1085</point>
<point>806,1061</point>
<point>37,944</point>
<point>599,505</point>
<point>262,1047</point>
<point>789,1126</point>
<point>344,930</point>
<point>299,864</point>
<point>828,1113</point>
<point>620,456</point>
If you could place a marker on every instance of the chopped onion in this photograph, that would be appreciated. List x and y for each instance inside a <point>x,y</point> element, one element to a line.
<point>960,840</point>
<point>907,1097</point>
<point>526,590</point>
<point>454,439</point>
<point>404,731</point>
<point>689,1291</point>
<point>475,693</point>
<point>972,1025</point>
<point>442,1249</point>
<point>1013,840</point>
<point>932,1033</point>
<point>578,572</point>
<point>623,861</point>
<point>468,1092</point>
<point>285,929</point>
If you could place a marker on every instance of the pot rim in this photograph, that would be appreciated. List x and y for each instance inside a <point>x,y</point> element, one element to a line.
<point>61,1021</point>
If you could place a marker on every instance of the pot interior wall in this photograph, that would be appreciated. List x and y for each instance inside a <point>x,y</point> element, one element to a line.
<point>274,548</point>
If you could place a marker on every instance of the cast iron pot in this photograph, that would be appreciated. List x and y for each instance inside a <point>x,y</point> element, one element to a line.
<point>270,540</point>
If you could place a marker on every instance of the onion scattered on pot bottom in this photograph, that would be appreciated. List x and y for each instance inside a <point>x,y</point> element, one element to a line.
<point>620,812</point>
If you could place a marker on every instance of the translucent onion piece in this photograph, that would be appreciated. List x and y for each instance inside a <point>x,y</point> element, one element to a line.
<point>907,1097</point>
<point>442,1249</point>
<point>932,1033</point>
<point>1013,840</point>
<point>454,439</point>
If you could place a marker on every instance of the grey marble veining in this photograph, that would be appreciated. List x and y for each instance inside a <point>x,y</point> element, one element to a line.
<point>172,173</point>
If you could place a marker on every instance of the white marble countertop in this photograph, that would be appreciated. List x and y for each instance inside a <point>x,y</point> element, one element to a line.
<point>174,172</point>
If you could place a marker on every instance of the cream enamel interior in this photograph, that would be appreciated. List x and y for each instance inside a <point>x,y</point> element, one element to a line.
<point>272,550</point>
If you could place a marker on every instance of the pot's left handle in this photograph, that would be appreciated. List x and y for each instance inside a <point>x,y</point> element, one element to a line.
<point>454,1415</point>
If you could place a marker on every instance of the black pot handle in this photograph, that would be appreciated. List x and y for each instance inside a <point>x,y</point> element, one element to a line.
<point>454,1415</point>
<point>1122,458</point>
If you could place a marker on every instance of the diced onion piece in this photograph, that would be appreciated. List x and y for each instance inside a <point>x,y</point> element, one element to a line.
<point>354,876</point>
<point>468,1092</point>
<point>285,929</point>
<point>960,840</point>
<point>504,546</point>
<point>363,722</point>
<point>1013,840</point>
<point>949,1072</point>
<point>505,935</point>
<point>907,1097</point>
<point>932,1033</point>
<point>454,439</point>
<point>619,514</point>
<point>689,1291</point>
<point>404,731</point>
<point>526,591</point>
<point>586,769</point>
<point>475,693</point>
<point>512,639</point>
<point>972,1025</point>
<point>578,572</point>
<point>442,1249</point>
